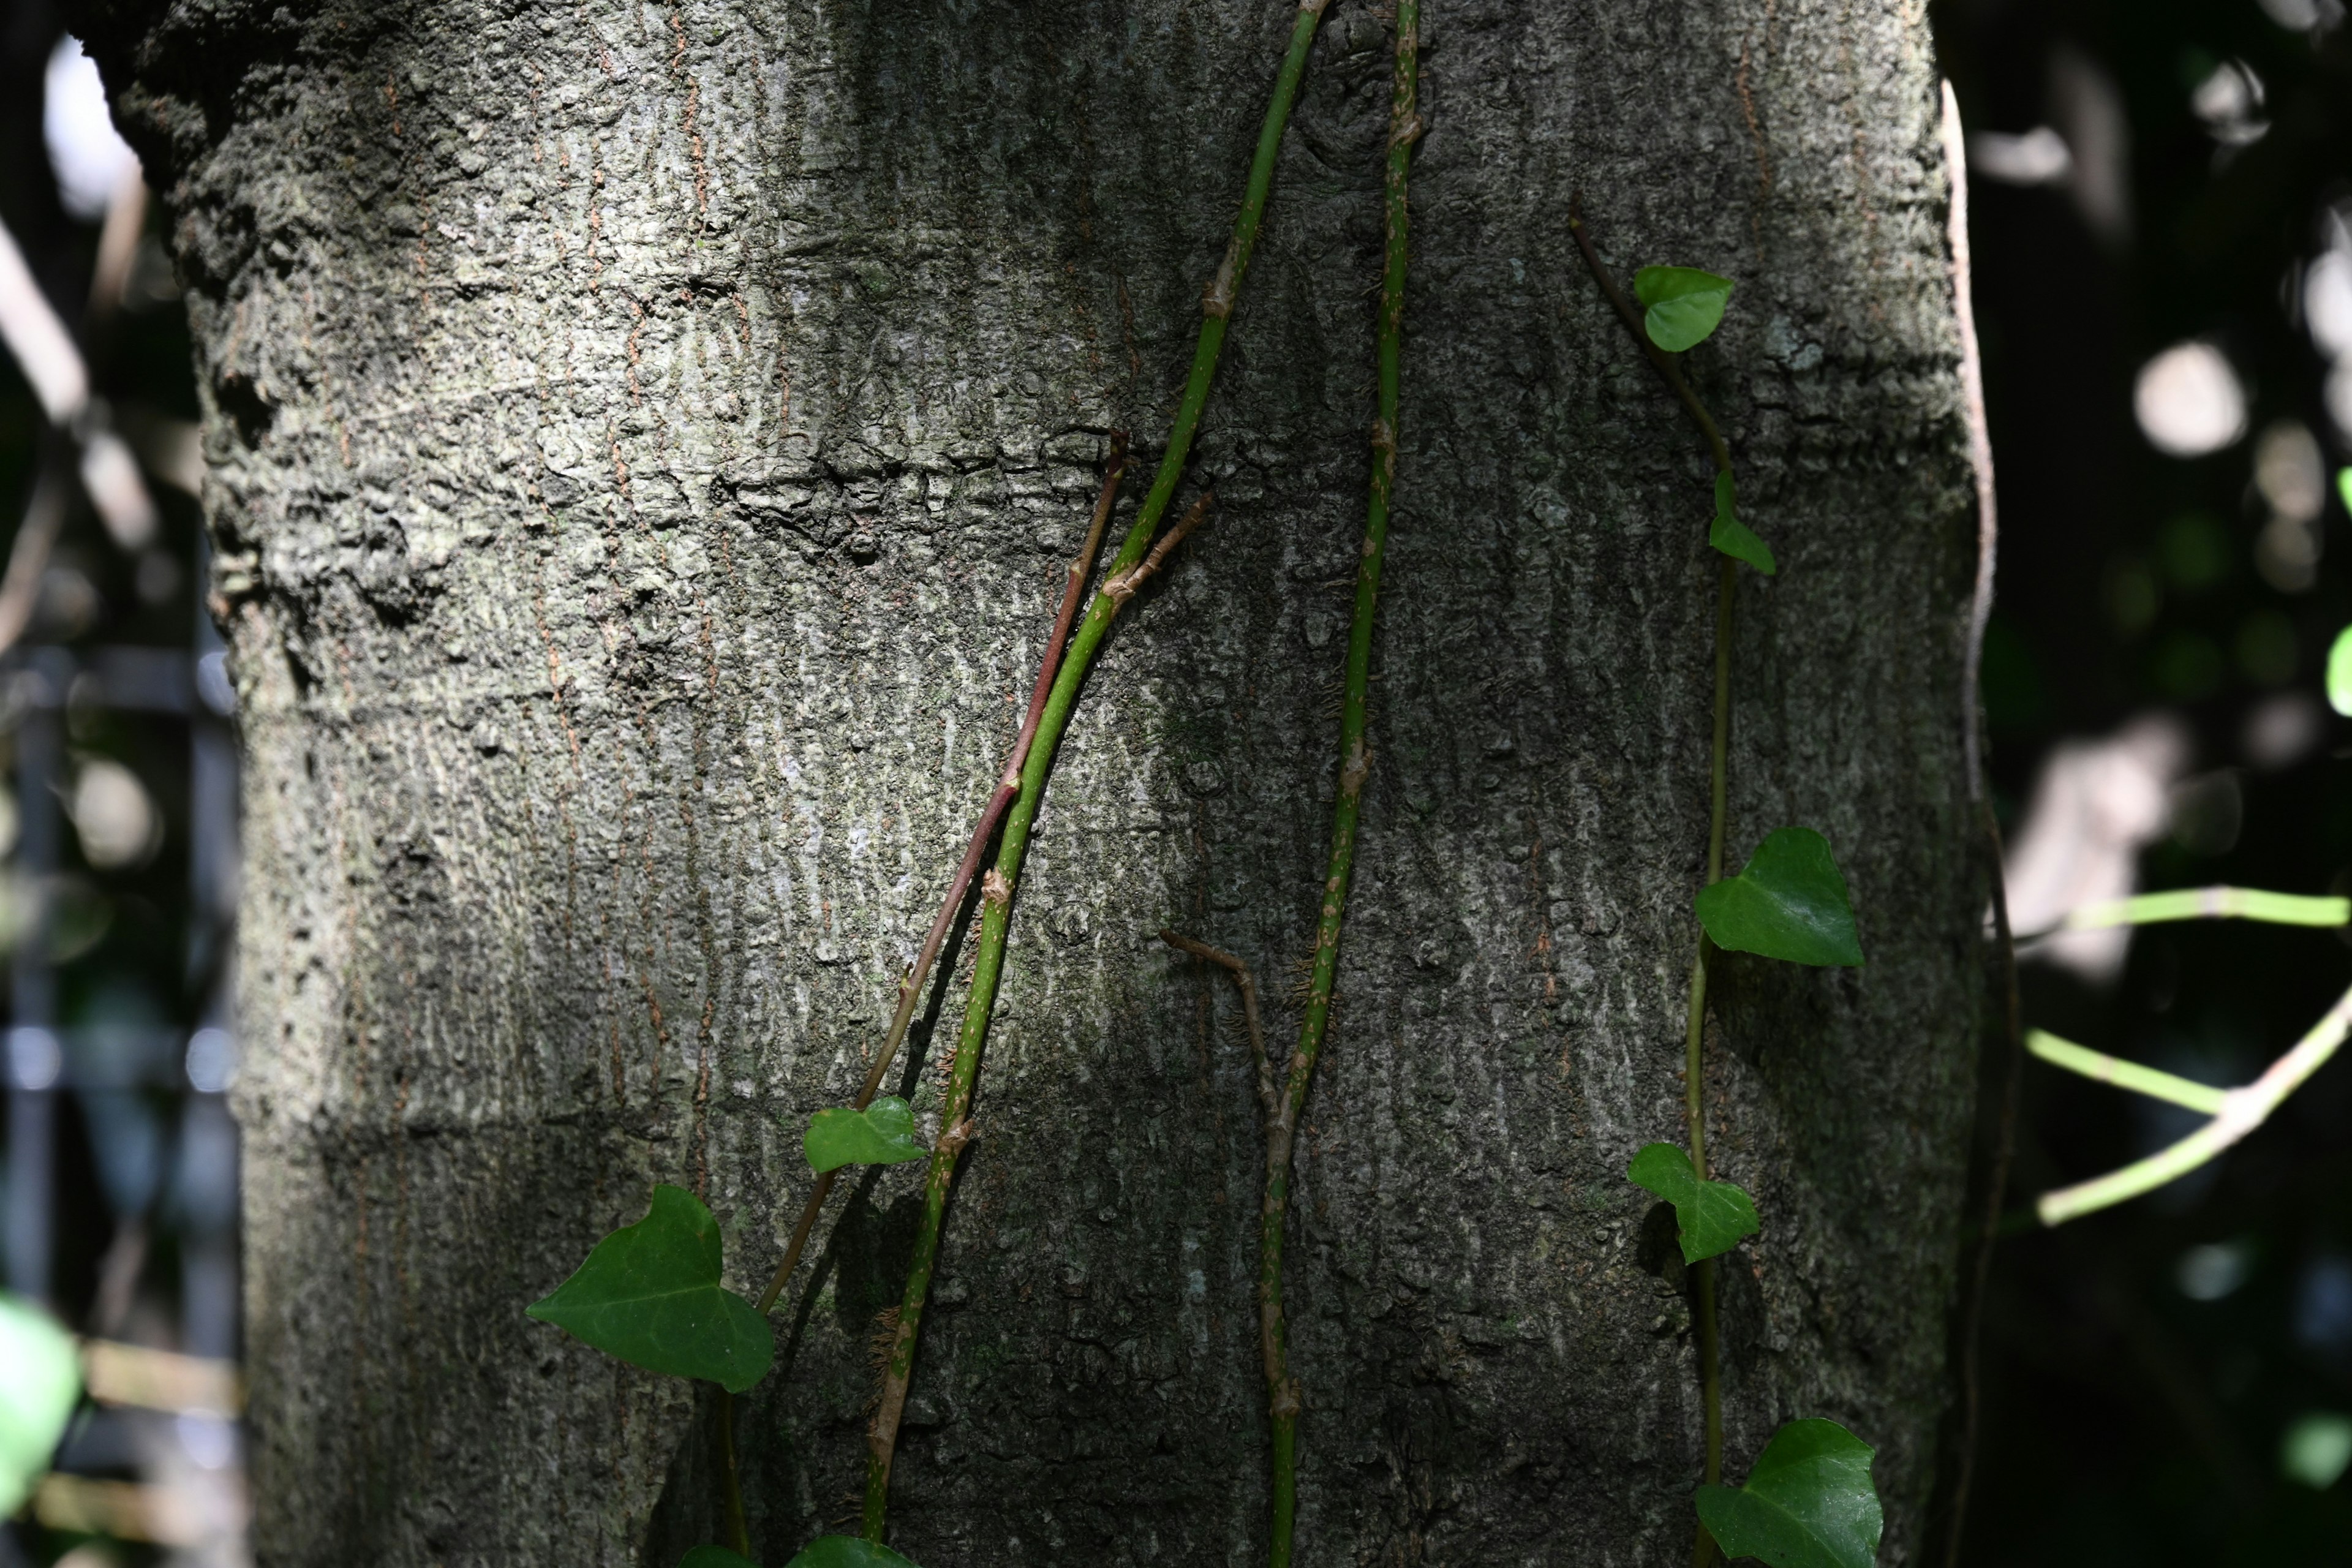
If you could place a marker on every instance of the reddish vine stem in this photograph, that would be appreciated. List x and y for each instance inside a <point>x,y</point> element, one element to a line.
<point>1703,1314</point>
<point>1008,784</point>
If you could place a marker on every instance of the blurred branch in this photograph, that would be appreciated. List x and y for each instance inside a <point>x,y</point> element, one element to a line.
<point>2101,1068</point>
<point>2208,903</point>
<point>2239,1112</point>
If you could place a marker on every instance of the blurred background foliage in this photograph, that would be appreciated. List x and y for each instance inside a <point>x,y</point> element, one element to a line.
<point>2162,230</point>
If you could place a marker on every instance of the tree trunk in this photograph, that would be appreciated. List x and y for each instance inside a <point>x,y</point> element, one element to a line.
<point>647,442</point>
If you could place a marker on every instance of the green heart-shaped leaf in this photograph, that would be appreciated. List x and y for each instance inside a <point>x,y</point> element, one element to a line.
<point>1684,304</point>
<point>1809,1503</point>
<point>2339,669</point>
<point>650,1294</point>
<point>1790,903</point>
<point>1735,538</point>
<point>881,1134</point>
<point>846,1551</point>
<point>1710,1217</point>
<point>40,1384</point>
<point>714,1557</point>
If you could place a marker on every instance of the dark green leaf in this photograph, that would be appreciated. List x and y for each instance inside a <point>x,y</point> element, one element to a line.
<point>846,1551</point>
<point>714,1557</point>
<point>650,1294</point>
<point>1809,1503</point>
<point>1710,1217</point>
<point>1790,903</point>
<point>1684,304</point>
<point>2339,669</point>
<point>881,1134</point>
<point>40,1384</point>
<point>1735,538</point>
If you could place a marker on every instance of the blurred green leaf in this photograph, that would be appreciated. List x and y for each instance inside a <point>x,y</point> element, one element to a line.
<point>40,1384</point>
<point>1710,1217</point>
<point>846,1551</point>
<point>881,1134</point>
<point>1686,305</point>
<point>1809,1503</point>
<point>1788,903</point>
<point>2317,1449</point>
<point>1733,537</point>
<point>650,1294</point>
<point>2340,670</point>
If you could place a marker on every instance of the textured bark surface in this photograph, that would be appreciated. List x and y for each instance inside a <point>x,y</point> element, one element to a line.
<point>647,441</point>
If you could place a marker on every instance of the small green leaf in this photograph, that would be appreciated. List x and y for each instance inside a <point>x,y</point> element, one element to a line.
<point>1710,1217</point>
<point>2339,669</point>
<point>1735,538</point>
<point>881,1134</point>
<point>846,1551</point>
<point>650,1294</point>
<point>40,1384</point>
<point>714,1557</point>
<point>1790,903</point>
<point>1684,304</point>
<point>1809,1503</point>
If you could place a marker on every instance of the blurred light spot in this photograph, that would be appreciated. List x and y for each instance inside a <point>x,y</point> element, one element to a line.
<point>212,1061</point>
<point>68,605</point>
<point>2210,1272</point>
<point>2302,15</point>
<point>209,1441</point>
<point>110,475</point>
<point>2207,812</point>
<point>2323,1304</point>
<point>2188,401</point>
<point>2283,730</point>
<point>2228,101</point>
<point>2266,647</point>
<point>2195,551</point>
<point>2327,303</point>
<point>2089,110</point>
<point>118,824</point>
<point>90,160</point>
<point>2335,394</point>
<point>2133,596</point>
<point>33,1058</point>
<point>2039,157</point>
<point>2317,1449</point>
<point>158,577</point>
<point>2290,471</point>
<point>2185,666</point>
<point>2287,555</point>
<point>2095,807</point>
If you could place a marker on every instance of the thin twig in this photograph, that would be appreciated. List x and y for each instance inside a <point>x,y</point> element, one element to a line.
<point>2241,1111</point>
<point>1008,784</point>
<point>1248,988</point>
<point>739,1534</point>
<point>2101,1068</point>
<point>1719,770</point>
<point>2205,904</point>
<point>988,963</point>
<point>1284,1396</point>
<point>1123,586</point>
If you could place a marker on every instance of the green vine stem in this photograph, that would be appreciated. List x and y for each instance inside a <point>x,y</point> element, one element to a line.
<point>2239,1112</point>
<point>738,1533</point>
<point>996,897</point>
<point>1008,784</point>
<point>1355,766</point>
<point>2101,1068</point>
<point>2208,903</point>
<point>1719,770</point>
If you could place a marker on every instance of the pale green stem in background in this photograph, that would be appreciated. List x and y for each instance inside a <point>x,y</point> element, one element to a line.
<point>2211,903</point>
<point>2101,1068</point>
<point>2241,1111</point>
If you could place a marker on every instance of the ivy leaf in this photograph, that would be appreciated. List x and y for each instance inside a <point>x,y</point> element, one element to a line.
<point>650,1294</point>
<point>1790,903</point>
<point>1710,1217</point>
<point>1684,304</point>
<point>881,1134</point>
<point>714,1557</point>
<point>40,1384</point>
<point>1809,1503</point>
<point>2339,669</point>
<point>1735,538</point>
<point>845,1552</point>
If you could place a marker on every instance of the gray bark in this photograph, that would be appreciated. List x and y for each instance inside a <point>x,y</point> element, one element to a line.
<point>646,441</point>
